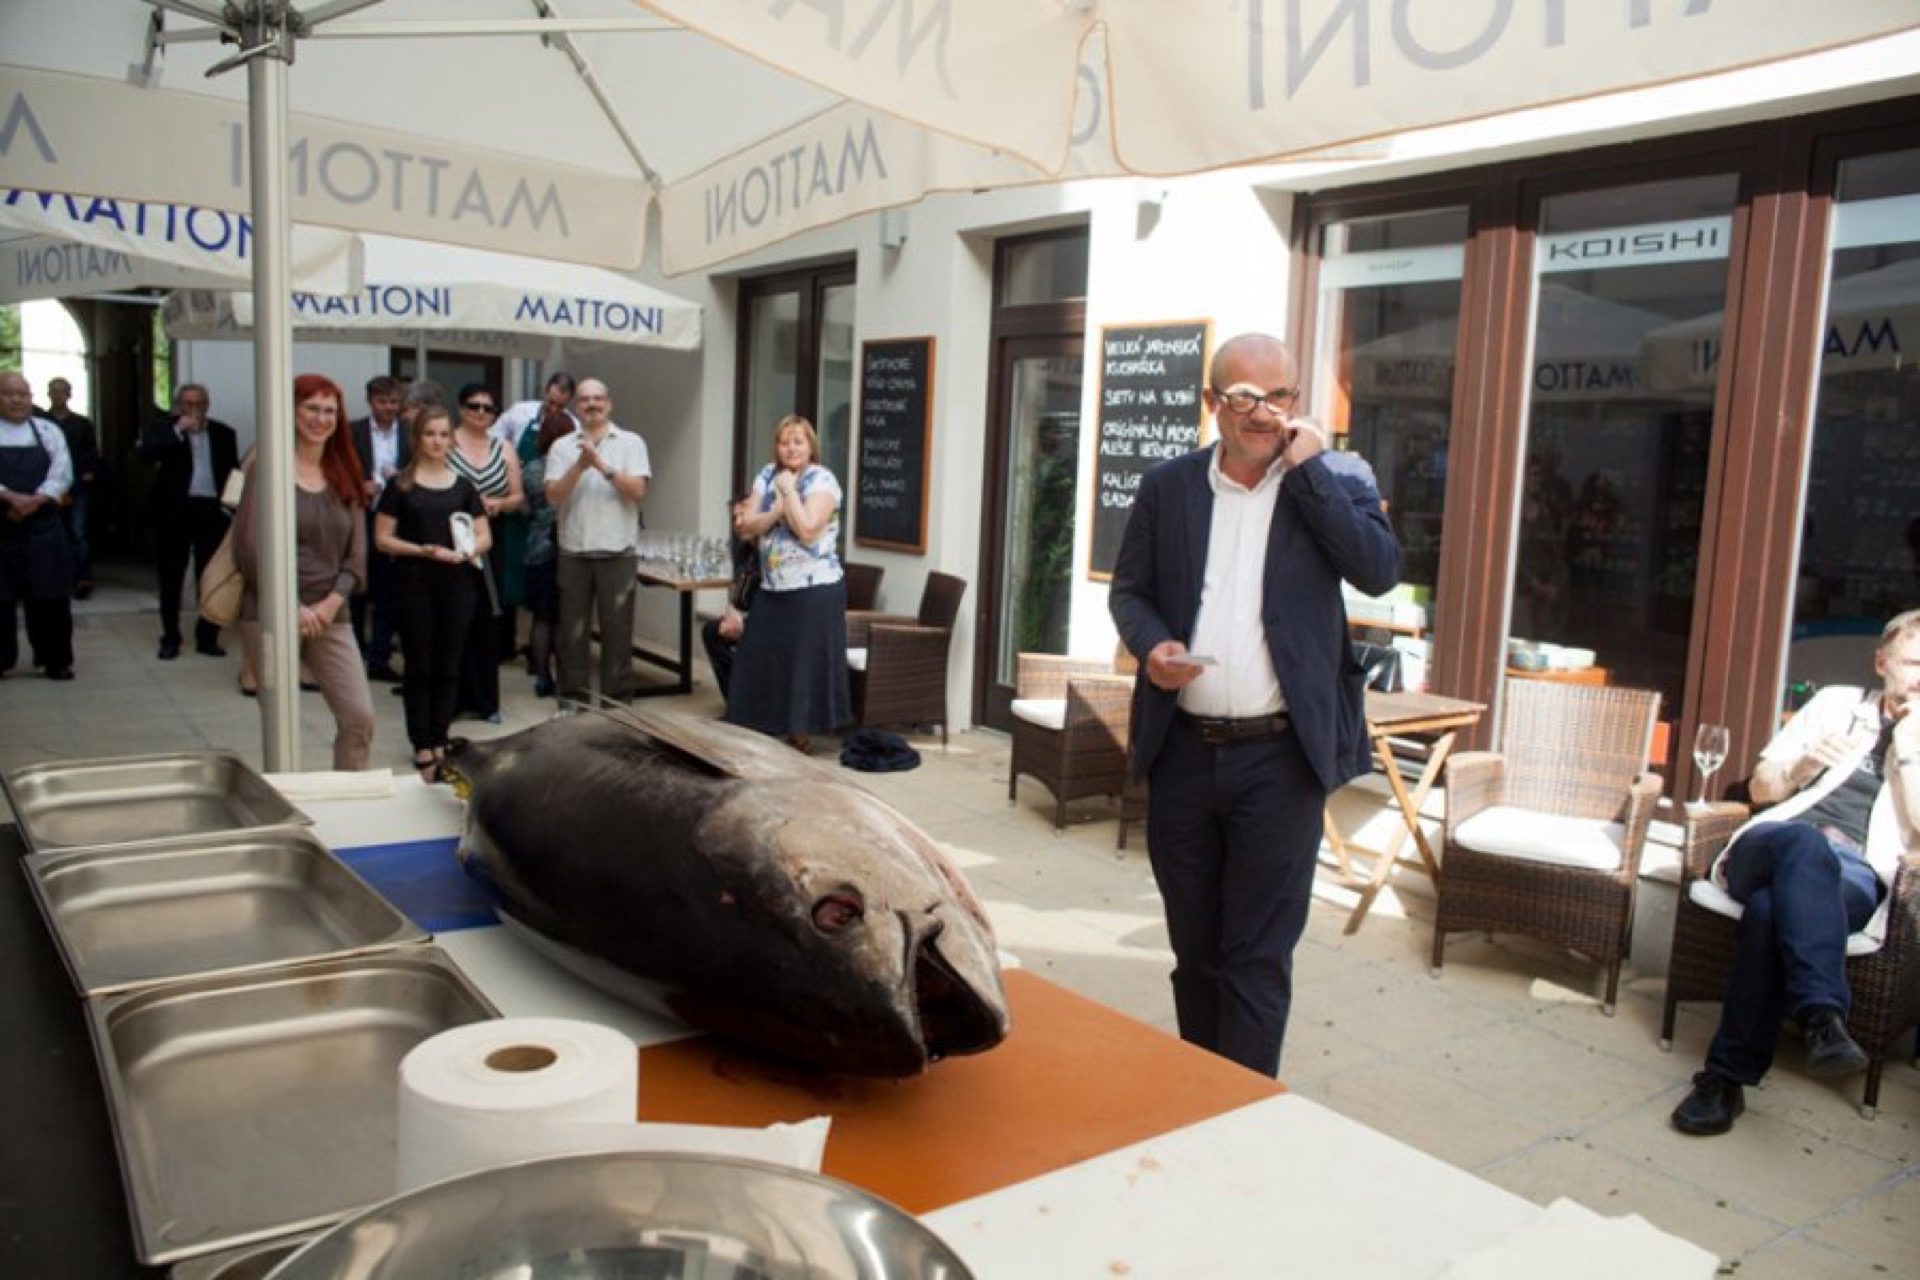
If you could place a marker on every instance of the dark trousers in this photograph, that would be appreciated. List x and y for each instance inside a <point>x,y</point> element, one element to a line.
<point>479,687</point>
<point>720,651</point>
<point>49,633</point>
<point>1233,833</point>
<point>196,532</point>
<point>1803,896</point>
<point>77,534</point>
<point>434,606</point>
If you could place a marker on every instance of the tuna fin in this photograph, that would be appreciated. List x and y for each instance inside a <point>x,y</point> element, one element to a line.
<point>722,747</point>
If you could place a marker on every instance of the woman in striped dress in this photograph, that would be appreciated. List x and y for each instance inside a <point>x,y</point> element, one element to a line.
<point>492,468</point>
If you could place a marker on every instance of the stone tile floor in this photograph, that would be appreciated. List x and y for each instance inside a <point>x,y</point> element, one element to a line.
<point>1503,1066</point>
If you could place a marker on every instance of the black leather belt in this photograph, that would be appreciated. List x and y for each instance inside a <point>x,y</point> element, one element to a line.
<point>1219,730</point>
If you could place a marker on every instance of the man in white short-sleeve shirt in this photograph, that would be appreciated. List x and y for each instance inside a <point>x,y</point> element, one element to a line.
<point>596,479</point>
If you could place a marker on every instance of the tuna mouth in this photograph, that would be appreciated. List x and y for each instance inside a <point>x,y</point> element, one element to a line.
<point>954,1018</point>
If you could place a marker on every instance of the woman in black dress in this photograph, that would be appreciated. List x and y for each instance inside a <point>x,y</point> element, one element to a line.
<point>438,587</point>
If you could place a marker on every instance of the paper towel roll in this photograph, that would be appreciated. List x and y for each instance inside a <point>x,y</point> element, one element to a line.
<point>491,1093</point>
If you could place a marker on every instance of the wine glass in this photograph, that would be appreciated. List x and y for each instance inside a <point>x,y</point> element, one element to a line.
<point>1709,753</point>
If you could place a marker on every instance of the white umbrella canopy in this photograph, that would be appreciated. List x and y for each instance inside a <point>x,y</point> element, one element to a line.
<point>752,122</point>
<point>460,298</point>
<point>499,141</point>
<point>54,246</point>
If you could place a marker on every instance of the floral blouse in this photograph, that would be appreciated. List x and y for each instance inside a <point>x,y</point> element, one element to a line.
<point>786,563</point>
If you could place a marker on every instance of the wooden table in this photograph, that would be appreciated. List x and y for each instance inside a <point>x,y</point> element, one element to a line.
<point>1399,715</point>
<point>654,573</point>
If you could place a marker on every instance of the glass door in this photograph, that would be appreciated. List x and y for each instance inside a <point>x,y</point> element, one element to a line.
<point>1613,486</point>
<point>1041,412</point>
<point>796,351</point>
<point>1032,500</point>
<point>1860,537</point>
<point>1382,382</point>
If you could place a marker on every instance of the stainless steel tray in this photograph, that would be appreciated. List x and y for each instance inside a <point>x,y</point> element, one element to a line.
<point>257,1105</point>
<point>131,915</point>
<point>113,800</point>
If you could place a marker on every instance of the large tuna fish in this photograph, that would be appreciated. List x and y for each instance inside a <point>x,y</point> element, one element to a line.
<point>769,899</point>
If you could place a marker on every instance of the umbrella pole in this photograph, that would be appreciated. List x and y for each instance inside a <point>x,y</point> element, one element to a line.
<point>273,394</point>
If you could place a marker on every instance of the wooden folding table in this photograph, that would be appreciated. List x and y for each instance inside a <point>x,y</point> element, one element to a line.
<point>1400,715</point>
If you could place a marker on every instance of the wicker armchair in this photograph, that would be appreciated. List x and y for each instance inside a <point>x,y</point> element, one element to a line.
<point>898,664</point>
<point>1544,837</point>
<point>1069,728</point>
<point>1884,981</point>
<point>863,585</point>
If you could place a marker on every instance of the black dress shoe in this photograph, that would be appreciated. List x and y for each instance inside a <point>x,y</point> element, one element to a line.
<point>1715,1103</point>
<point>59,673</point>
<point>169,650</point>
<point>383,672</point>
<point>1830,1050</point>
<point>211,650</point>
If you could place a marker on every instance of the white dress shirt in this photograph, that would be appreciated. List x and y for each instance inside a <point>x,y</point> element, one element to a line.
<point>201,484</point>
<point>595,519</point>
<point>1228,627</point>
<point>386,450</point>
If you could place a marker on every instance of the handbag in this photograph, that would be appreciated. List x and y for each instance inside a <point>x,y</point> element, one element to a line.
<point>220,585</point>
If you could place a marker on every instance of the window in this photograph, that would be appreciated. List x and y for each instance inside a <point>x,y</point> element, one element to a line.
<point>1860,537</point>
<point>1382,380</point>
<point>1615,474</point>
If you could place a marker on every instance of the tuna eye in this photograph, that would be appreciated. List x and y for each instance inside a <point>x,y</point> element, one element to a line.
<point>837,911</point>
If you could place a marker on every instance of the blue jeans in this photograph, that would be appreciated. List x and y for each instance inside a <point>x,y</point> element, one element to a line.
<point>1803,895</point>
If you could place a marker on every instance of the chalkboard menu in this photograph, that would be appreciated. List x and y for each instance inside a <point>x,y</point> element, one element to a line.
<point>1150,410</point>
<point>896,395</point>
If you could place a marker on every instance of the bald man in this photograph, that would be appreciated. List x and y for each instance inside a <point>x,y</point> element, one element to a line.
<point>1247,708</point>
<point>36,559</point>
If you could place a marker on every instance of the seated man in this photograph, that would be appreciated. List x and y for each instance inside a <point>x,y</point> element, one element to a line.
<point>1842,780</point>
<point>721,635</point>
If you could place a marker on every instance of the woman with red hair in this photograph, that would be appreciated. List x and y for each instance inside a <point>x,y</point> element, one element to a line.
<point>330,533</point>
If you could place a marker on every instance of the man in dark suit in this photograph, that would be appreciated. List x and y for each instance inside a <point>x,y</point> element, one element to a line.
<point>380,439</point>
<point>191,455</point>
<point>1247,708</point>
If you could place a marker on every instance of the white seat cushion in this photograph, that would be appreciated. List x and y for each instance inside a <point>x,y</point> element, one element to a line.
<point>1705,893</point>
<point>857,659</point>
<point>1048,713</point>
<point>1512,832</point>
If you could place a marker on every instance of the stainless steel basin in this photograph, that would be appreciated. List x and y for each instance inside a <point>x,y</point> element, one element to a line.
<point>258,1105</point>
<point>631,1214</point>
<point>74,803</point>
<point>128,915</point>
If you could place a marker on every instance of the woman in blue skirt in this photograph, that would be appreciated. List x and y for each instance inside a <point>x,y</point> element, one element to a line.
<point>790,674</point>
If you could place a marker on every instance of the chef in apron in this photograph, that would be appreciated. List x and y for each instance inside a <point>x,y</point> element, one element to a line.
<point>36,559</point>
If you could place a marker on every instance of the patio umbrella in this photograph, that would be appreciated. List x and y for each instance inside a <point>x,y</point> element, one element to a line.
<point>54,246</point>
<point>462,298</point>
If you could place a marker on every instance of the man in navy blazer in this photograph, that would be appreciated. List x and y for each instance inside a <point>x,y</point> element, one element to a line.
<point>1247,710</point>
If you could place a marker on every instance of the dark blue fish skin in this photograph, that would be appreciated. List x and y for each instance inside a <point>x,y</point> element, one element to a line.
<point>730,892</point>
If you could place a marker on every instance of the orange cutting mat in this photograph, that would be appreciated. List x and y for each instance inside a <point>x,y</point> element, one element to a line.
<point>1074,1079</point>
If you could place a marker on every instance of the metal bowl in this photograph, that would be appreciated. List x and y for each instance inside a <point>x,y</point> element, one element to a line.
<point>631,1214</point>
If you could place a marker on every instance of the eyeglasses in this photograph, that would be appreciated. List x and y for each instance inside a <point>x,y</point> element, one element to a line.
<point>479,406</point>
<point>1279,401</point>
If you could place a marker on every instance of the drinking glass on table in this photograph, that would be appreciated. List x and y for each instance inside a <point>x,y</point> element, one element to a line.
<point>1709,753</point>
